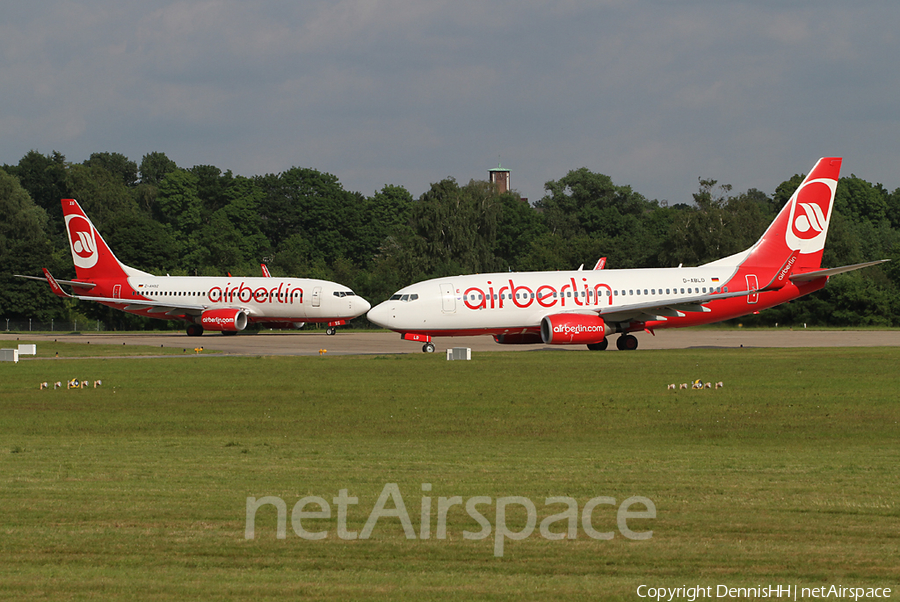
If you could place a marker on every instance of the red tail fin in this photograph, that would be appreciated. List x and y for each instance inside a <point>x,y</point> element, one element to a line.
<point>802,225</point>
<point>92,258</point>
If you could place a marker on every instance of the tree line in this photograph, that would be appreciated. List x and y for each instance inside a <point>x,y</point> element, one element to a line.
<point>165,219</point>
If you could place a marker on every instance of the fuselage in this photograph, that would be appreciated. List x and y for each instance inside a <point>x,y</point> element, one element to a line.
<point>263,299</point>
<point>515,302</point>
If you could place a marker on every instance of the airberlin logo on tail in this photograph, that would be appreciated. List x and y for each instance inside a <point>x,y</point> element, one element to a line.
<point>82,241</point>
<point>810,213</point>
<point>812,222</point>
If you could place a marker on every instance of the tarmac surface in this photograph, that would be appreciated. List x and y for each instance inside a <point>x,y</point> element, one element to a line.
<point>363,343</point>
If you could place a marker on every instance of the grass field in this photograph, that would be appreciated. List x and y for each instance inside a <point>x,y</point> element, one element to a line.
<point>138,489</point>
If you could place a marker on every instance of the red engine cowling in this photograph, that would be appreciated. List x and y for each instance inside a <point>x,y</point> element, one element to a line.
<point>573,329</point>
<point>226,320</point>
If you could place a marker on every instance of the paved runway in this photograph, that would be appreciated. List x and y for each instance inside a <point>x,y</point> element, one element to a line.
<point>356,343</point>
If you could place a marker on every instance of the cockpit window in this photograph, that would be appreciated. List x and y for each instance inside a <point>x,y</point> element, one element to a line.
<point>405,298</point>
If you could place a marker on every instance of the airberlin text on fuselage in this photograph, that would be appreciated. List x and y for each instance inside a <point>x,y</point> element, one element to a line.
<point>573,294</point>
<point>283,293</point>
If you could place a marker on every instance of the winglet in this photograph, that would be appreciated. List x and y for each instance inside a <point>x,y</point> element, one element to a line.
<point>265,270</point>
<point>601,263</point>
<point>782,277</point>
<point>54,285</point>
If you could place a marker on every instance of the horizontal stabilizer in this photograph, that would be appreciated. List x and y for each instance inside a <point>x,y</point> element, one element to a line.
<point>807,276</point>
<point>68,282</point>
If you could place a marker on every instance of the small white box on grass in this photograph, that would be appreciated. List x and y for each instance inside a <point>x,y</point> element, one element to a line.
<point>459,353</point>
<point>27,349</point>
<point>9,355</point>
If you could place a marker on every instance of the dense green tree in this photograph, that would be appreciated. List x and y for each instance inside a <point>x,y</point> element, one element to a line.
<point>893,209</point>
<point>390,208</point>
<point>456,227</point>
<point>117,164</point>
<point>45,180</point>
<point>606,219</point>
<point>102,194</point>
<point>315,205</point>
<point>24,249</point>
<point>178,203</point>
<point>718,225</point>
<point>293,256</point>
<point>233,236</point>
<point>861,201</point>
<point>142,242</point>
<point>155,166</point>
<point>518,225</point>
<point>584,202</point>
<point>212,187</point>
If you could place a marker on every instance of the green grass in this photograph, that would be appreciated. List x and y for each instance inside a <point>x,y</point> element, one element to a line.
<point>138,489</point>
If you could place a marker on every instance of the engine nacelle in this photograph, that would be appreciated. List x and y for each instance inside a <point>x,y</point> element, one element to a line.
<point>573,329</point>
<point>226,320</point>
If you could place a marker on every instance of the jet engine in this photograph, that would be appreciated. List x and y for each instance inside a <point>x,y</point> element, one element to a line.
<point>226,320</point>
<point>573,329</point>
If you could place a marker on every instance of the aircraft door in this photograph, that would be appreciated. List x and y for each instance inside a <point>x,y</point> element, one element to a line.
<point>117,291</point>
<point>752,285</point>
<point>448,298</point>
<point>317,296</point>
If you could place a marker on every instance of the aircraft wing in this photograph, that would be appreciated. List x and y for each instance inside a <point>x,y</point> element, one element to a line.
<point>807,276</point>
<point>152,307</point>
<point>660,309</point>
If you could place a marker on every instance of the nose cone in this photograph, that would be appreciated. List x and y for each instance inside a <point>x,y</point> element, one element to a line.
<point>380,315</point>
<point>360,306</point>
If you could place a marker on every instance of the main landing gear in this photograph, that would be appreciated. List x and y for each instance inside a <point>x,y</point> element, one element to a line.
<point>331,330</point>
<point>194,330</point>
<point>626,342</point>
<point>428,347</point>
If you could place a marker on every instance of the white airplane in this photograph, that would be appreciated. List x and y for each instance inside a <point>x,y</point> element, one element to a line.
<point>227,305</point>
<point>586,307</point>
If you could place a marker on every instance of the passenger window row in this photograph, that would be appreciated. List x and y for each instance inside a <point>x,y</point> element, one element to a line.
<point>590,294</point>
